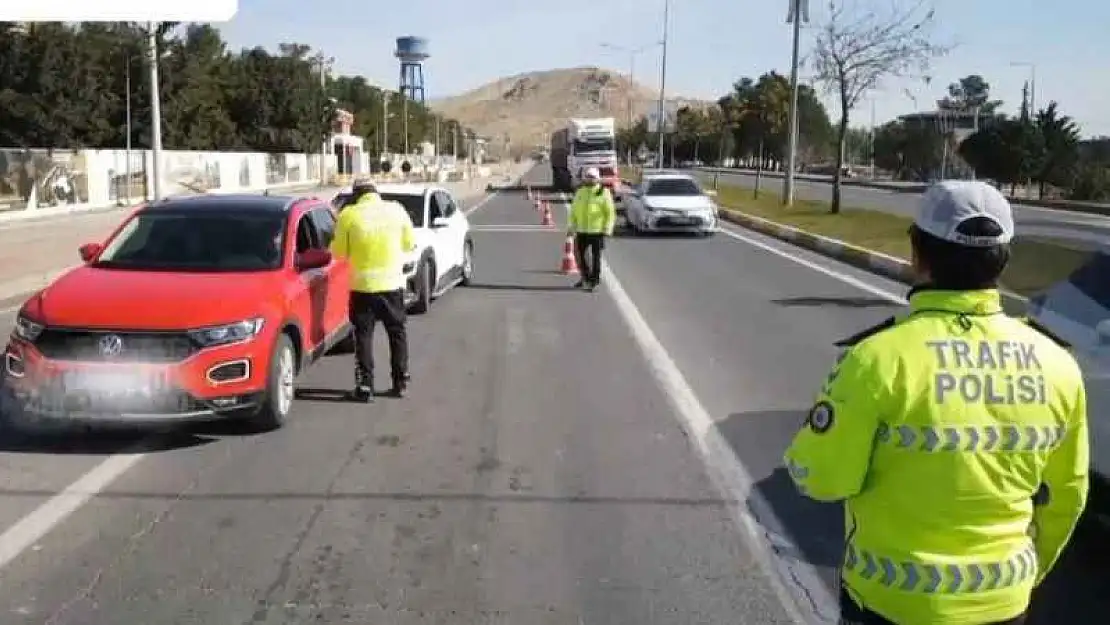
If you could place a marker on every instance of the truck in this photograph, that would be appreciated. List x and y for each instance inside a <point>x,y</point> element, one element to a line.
<point>582,143</point>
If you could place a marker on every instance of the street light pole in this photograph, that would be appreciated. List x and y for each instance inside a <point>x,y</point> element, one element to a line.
<point>632,54</point>
<point>663,79</point>
<point>1032,83</point>
<point>155,111</point>
<point>127,101</point>
<point>799,10</point>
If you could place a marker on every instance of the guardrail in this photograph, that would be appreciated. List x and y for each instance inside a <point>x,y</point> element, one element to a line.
<point>1093,208</point>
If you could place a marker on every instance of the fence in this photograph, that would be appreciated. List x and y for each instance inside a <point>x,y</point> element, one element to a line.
<point>40,178</point>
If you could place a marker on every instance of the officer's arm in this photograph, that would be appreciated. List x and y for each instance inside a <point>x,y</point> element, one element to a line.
<point>610,213</point>
<point>1065,488</point>
<point>831,454</point>
<point>341,242</point>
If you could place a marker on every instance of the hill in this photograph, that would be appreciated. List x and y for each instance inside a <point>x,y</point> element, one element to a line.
<point>527,107</point>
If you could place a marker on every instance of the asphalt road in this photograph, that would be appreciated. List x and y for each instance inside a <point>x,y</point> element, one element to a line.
<point>544,471</point>
<point>1031,220</point>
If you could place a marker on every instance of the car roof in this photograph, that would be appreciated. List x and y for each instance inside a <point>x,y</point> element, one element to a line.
<point>670,175</point>
<point>406,188</point>
<point>221,202</point>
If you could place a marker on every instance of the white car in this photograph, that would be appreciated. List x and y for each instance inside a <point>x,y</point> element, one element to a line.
<point>444,255</point>
<point>670,202</point>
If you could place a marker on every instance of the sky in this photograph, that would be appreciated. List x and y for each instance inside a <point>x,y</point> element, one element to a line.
<point>711,43</point>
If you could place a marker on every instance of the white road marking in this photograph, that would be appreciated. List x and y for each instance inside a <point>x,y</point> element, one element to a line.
<point>725,468</point>
<point>31,528</point>
<point>832,273</point>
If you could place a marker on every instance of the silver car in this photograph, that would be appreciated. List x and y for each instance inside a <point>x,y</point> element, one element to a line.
<point>670,202</point>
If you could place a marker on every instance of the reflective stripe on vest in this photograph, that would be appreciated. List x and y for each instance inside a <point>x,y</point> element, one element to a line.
<point>984,438</point>
<point>950,579</point>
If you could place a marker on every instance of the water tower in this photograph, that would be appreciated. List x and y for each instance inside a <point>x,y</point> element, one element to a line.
<point>412,51</point>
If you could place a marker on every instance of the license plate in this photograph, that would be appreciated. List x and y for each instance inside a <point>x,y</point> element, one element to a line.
<point>112,384</point>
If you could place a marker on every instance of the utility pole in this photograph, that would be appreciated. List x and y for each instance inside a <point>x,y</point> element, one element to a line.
<point>385,122</point>
<point>799,11</point>
<point>324,144</point>
<point>663,79</point>
<point>405,121</point>
<point>127,100</point>
<point>155,112</point>
<point>632,54</point>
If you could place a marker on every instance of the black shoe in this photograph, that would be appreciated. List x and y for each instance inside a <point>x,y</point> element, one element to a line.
<point>400,386</point>
<point>363,394</point>
<point>580,284</point>
<point>364,385</point>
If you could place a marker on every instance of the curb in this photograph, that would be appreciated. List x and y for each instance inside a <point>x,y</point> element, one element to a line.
<point>875,262</point>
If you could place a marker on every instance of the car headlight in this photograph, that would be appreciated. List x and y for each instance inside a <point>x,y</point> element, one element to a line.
<point>26,329</point>
<point>230,333</point>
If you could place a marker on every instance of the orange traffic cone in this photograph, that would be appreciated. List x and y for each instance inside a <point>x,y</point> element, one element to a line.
<point>569,267</point>
<point>547,221</point>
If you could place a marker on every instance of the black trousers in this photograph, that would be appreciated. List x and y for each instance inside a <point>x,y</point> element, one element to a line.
<point>851,613</point>
<point>366,309</point>
<point>587,250</point>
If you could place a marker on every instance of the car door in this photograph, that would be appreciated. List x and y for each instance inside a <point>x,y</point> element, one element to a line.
<point>312,297</point>
<point>338,273</point>
<point>456,231</point>
<point>441,235</point>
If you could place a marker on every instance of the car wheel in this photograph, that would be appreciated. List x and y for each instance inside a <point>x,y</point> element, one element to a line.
<point>423,288</point>
<point>277,401</point>
<point>468,264</point>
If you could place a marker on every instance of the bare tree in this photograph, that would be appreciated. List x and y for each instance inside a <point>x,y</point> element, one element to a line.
<point>858,46</point>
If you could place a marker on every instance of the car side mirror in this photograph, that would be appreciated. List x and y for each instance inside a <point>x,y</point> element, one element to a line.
<point>441,222</point>
<point>90,251</point>
<point>313,259</point>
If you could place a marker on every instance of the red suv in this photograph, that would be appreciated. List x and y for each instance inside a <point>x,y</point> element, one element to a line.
<point>193,309</point>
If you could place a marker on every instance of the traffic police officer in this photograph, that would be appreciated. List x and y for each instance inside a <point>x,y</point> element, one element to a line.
<point>955,434</point>
<point>593,216</point>
<point>375,235</point>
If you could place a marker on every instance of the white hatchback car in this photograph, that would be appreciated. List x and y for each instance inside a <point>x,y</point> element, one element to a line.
<point>670,202</point>
<point>444,255</point>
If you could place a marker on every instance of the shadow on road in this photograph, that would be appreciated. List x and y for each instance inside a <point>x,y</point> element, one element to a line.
<point>54,440</point>
<point>521,287</point>
<point>844,302</point>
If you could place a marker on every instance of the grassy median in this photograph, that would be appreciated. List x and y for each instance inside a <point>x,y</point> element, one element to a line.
<point>1037,261</point>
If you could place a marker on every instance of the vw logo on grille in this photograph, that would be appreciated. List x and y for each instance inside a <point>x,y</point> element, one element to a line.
<point>111,346</point>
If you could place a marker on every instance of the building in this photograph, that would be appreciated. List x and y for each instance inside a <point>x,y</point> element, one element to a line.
<point>962,124</point>
<point>349,150</point>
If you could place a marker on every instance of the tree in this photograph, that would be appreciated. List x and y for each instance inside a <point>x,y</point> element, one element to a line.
<point>970,93</point>
<point>1060,135</point>
<point>856,50</point>
<point>756,115</point>
<point>1008,151</point>
<point>64,86</point>
<point>911,151</point>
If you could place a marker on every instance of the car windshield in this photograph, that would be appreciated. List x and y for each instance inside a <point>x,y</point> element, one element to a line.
<point>414,205</point>
<point>673,186</point>
<point>194,241</point>
<point>593,145</point>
